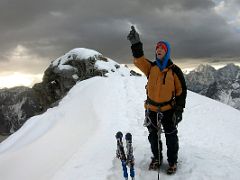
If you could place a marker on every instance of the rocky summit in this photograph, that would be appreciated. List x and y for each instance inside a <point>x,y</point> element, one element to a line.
<point>20,103</point>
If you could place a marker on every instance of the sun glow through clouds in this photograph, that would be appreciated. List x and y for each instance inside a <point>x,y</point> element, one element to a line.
<point>19,79</point>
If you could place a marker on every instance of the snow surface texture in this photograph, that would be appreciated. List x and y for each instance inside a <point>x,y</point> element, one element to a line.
<point>76,140</point>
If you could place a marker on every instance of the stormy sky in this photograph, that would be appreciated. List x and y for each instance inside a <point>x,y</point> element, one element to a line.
<point>32,33</point>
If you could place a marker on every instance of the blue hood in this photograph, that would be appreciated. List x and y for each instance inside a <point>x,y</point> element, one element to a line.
<point>162,64</point>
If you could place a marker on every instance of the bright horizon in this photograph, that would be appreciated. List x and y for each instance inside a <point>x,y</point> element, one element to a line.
<point>9,80</point>
<point>19,79</point>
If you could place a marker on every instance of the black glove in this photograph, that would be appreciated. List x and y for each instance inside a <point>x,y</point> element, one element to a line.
<point>137,47</point>
<point>177,115</point>
<point>133,36</point>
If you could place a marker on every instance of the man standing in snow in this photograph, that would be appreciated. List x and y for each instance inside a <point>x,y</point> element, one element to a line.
<point>166,96</point>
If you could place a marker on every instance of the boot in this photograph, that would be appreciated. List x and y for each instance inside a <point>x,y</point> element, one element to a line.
<point>155,165</point>
<point>172,168</point>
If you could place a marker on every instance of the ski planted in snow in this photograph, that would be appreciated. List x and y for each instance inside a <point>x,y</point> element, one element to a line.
<point>128,158</point>
<point>120,153</point>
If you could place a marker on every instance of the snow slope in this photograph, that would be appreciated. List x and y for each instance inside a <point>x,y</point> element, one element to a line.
<point>76,140</point>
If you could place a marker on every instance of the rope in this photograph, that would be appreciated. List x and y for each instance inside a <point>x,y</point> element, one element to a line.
<point>148,122</point>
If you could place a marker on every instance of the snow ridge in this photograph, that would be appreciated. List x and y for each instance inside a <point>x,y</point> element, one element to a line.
<point>76,140</point>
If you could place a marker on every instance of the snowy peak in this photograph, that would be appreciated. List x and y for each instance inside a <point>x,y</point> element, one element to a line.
<point>87,61</point>
<point>76,54</point>
<point>222,84</point>
<point>83,63</point>
<point>230,71</point>
<point>204,68</point>
<point>200,78</point>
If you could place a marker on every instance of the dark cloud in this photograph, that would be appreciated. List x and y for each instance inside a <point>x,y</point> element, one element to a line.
<point>17,14</point>
<point>49,28</point>
<point>233,2</point>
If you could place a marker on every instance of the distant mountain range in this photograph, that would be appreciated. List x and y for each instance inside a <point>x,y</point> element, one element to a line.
<point>222,85</point>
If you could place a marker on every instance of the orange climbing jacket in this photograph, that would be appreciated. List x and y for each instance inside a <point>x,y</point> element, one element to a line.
<point>166,87</point>
<point>163,87</point>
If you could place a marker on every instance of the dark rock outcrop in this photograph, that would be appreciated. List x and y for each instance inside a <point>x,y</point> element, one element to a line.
<point>17,105</point>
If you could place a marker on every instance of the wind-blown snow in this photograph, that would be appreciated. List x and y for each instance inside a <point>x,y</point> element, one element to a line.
<point>76,140</point>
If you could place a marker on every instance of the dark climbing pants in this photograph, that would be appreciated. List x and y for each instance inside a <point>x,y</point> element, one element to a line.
<point>170,134</point>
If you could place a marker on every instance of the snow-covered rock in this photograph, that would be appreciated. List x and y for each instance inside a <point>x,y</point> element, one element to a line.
<point>222,84</point>
<point>199,79</point>
<point>76,65</point>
